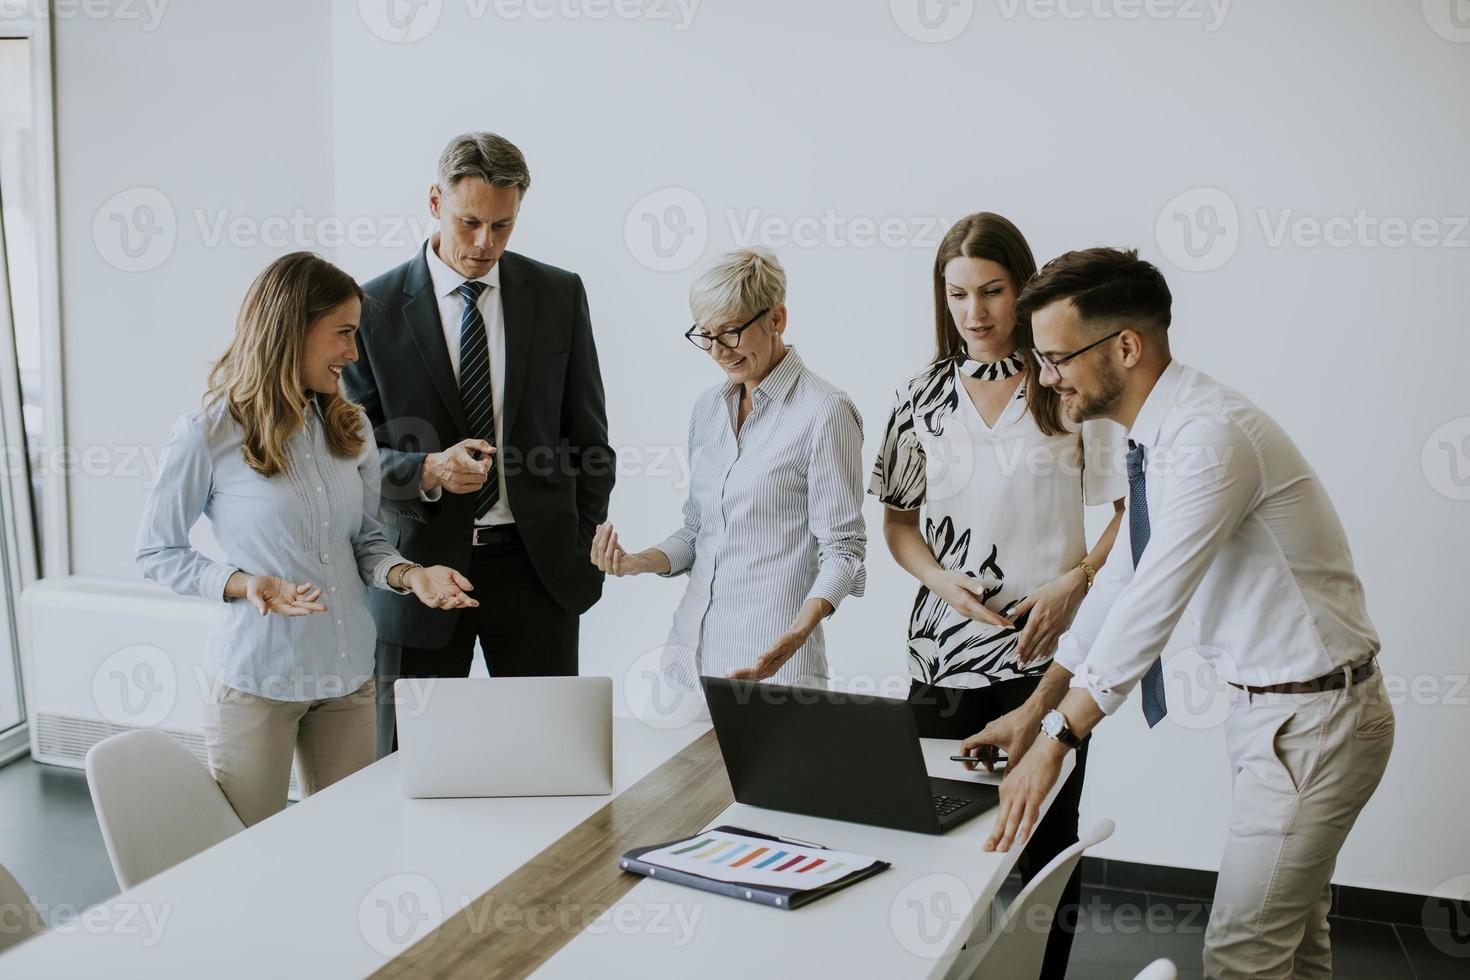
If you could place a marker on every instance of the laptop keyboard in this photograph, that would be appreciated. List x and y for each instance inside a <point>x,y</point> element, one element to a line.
<point>945,805</point>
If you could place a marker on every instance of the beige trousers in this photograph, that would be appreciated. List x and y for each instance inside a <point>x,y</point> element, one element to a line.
<point>251,742</point>
<point>1304,764</point>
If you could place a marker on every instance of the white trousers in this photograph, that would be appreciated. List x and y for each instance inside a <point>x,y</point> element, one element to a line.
<point>1304,765</point>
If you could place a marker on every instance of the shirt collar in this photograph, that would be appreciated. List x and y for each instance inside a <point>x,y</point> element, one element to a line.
<point>1145,428</point>
<point>446,281</point>
<point>778,382</point>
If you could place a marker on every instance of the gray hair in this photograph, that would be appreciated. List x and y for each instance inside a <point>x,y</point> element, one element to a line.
<point>737,286</point>
<point>486,156</point>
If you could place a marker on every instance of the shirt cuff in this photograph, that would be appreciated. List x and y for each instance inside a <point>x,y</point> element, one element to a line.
<point>1108,699</point>
<point>838,585</point>
<point>216,579</point>
<point>431,497</point>
<point>680,554</point>
<point>380,574</point>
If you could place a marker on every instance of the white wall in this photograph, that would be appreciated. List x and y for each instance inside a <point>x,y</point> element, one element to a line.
<point>209,110</point>
<point>1081,130</point>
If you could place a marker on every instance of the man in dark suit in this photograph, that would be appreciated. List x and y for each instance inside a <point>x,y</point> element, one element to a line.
<point>478,370</point>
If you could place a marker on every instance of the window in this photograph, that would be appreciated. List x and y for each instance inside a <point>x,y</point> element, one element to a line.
<point>32,490</point>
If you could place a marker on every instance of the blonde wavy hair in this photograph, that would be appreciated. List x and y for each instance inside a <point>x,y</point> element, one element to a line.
<point>258,378</point>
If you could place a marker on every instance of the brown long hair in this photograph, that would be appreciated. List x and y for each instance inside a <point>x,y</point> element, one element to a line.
<point>986,235</point>
<point>258,378</point>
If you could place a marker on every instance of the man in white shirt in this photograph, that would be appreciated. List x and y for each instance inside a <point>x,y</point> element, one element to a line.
<point>1227,519</point>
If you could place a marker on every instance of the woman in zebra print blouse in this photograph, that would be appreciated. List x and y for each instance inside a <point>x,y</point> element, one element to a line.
<point>979,452</point>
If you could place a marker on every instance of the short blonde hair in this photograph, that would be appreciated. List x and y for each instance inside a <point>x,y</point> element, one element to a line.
<point>737,286</point>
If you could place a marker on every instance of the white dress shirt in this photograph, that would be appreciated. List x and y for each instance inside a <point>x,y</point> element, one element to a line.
<point>774,518</point>
<point>1242,533</point>
<point>451,309</point>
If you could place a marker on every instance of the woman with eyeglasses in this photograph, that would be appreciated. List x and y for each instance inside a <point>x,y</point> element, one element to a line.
<point>773,537</point>
<point>985,483</point>
<point>286,470</point>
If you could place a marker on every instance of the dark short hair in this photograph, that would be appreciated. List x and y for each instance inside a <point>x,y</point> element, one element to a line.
<point>1104,284</point>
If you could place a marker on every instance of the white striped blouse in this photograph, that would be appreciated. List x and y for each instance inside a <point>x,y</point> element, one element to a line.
<point>774,517</point>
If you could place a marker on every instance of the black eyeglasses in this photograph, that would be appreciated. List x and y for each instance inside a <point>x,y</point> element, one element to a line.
<point>1056,365</point>
<point>727,338</point>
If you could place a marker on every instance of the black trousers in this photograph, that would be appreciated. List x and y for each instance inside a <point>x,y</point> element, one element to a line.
<point>953,713</point>
<point>523,632</point>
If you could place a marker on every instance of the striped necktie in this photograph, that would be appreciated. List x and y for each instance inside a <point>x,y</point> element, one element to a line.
<point>1154,707</point>
<point>475,391</point>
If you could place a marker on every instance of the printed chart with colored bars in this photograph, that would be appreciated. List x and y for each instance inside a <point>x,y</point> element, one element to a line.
<point>724,856</point>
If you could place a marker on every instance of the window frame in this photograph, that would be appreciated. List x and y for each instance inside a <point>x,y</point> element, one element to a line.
<point>24,565</point>
<point>55,556</point>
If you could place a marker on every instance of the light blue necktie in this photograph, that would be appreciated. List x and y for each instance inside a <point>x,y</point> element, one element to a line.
<point>474,386</point>
<point>1154,706</point>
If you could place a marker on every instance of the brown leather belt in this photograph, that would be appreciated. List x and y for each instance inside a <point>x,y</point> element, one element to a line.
<point>1327,682</point>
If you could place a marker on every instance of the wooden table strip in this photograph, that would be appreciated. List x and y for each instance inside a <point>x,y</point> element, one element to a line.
<point>556,894</point>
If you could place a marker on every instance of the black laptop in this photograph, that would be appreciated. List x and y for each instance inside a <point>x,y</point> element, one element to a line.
<point>834,754</point>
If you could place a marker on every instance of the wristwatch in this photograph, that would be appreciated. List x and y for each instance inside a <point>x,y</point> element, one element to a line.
<point>1054,725</point>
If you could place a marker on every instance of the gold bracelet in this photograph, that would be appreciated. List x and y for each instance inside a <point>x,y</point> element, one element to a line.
<point>403,575</point>
<point>1087,570</point>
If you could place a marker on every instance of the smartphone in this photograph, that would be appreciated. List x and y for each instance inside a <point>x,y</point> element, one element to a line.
<point>996,763</point>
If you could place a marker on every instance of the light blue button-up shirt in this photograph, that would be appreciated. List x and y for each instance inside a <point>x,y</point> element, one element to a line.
<point>317,522</point>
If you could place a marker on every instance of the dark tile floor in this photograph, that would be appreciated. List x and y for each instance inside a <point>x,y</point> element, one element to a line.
<point>49,840</point>
<point>1121,931</point>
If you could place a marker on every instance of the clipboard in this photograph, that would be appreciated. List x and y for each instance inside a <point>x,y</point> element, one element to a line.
<point>761,894</point>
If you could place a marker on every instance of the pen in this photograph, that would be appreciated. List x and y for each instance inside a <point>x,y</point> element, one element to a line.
<point>803,843</point>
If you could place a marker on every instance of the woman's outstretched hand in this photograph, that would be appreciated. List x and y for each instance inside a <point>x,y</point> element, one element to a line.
<point>440,587</point>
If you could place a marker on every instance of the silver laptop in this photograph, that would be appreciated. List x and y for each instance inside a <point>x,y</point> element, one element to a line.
<point>504,736</point>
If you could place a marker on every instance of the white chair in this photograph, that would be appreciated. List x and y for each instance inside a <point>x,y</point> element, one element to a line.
<point>19,919</point>
<point>1014,949</point>
<point>156,803</point>
<point>1159,970</point>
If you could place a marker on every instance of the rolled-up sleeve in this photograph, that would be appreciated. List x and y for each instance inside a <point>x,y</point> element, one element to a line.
<point>835,502</point>
<point>679,547</point>
<point>174,505</point>
<point>1073,645</point>
<point>1212,478</point>
<point>375,556</point>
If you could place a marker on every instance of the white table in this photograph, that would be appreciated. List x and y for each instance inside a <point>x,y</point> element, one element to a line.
<point>908,921</point>
<point>338,885</point>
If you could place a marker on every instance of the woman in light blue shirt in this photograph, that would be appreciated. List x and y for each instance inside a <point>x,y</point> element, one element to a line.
<point>286,470</point>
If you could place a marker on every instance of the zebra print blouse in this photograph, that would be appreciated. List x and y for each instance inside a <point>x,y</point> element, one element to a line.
<point>1002,502</point>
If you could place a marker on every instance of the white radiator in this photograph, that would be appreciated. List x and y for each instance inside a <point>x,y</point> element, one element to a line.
<point>102,657</point>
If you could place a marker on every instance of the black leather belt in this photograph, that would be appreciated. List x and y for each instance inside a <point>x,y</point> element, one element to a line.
<point>1327,682</point>
<point>494,534</point>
